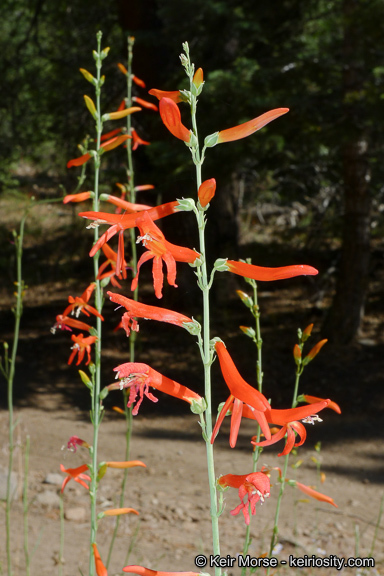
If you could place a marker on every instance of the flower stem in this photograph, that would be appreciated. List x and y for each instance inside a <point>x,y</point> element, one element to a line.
<point>96,405</point>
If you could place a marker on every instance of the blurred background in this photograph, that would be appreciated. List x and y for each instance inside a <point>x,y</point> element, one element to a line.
<point>308,188</point>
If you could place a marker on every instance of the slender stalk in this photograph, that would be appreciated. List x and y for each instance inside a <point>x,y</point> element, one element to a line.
<point>259,377</point>
<point>62,523</point>
<point>9,372</point>
<point>96,377</point>
<point>25,506</point>
<point>205,348</point>
<point>133,334</point>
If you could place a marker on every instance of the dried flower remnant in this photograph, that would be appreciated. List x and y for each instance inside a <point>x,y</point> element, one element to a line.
<point>256,486</point>
<point>74,442</point>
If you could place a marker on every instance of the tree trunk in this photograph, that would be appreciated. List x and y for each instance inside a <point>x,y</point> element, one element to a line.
<point>343,323</point>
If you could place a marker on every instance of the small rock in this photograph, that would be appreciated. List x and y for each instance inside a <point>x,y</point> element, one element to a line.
<point>53,478</point>
<point>49,499</point>
<point>76,514</point>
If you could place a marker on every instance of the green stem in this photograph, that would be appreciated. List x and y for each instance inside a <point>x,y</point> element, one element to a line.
<point>9,369</point>
<point>61,551</point>
<point>25,506</point>
<point>96,405</point>
<point>259,376</point>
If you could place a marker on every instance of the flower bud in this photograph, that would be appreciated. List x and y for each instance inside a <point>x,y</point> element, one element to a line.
<point>314,352</point>
<point>206,192</point>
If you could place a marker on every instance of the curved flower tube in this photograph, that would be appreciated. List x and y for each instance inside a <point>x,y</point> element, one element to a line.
<point>256,486</point>
<point>314,494</point>
<point>80,197</point>
<point>170,115</point>
<point>139,377</point>
<point>248,128</point>
<point>137,141</point>
<point>80,304</point>
<point>100,568</point>
<point>67,323</point>
<point>145,104</point>
<point>262,273</point>
<point>114,273</point>
<point>172,95</point>
<point>242,394</point>
<point>313,399</point>
<point>138,310</point>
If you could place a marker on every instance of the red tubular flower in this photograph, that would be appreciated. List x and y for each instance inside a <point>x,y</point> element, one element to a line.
<point>139,310</point>
<point>78,161</point>
<point>76,474</point>
<point>114,142</point>
<point>74,442</point>
<point>206,191</point>
<point>248,128</point>
<point>110,134</point>
<point>137,141</point>
<point>122,68</point>
<point>241,394</point>
<point>145,104</point>
<point>160,250</point>
<point>255,485</point>
<point>111,256</point>
<point>139,377</point>
<point>141,571</point>
<point>144,187</point>
<point>100,568</point>
<point>129,207</point>
<point>121,222</point>
<point>170,115</point>
<point>288,419</point>
<point>81,346</point>
<point>80,197</point>
<point>138,81</point>
<point>66,323</point>
<point>269,274</point>
<point>172,95</point>
<point>313,399</point>
<point>314,494</point>
<point>80,304</point>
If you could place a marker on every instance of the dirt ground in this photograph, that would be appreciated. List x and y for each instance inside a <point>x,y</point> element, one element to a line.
<point>171,493</point>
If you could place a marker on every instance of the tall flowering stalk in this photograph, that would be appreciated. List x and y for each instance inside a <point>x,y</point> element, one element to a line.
<point>244,400</point>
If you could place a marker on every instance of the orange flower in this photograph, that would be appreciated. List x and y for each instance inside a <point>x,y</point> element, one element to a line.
<point>137,141</point>
<point>114,273</point>
<point>269,274</point>
<point>76,474</point>
<point>170,115</point>
<point>120,511</point>
<point>121,222</point>
<point>139,377</point>
<point>248,128</point>
<point>198,78</point>
<point>141,571</point>
<point>159,249</point>
<point>127,464</point>
<point>127,206</point>
<point>122,68</point>
<point>110,134</point>
<point>172,95</point>
<point>206,192</point>
<point>80,197</point>
<point>145,104</point>
<point>312,399</point>
<point>78,161</point>
<point>241,394</point>
<point>288,419</point>
<point>100,568</point>
<point>108,145</point>
<point>314,494</point>
<point>139,310</point>
<point>255,485</point>
<point>80,304</point>
<point>81,346</point>
<point>66,323</point>
<point>138,81</point>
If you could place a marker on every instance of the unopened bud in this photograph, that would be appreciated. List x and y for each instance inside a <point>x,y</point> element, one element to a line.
<point>306,333</point>
<point>314,352</point>
<point>206,192</point>
<point>248,331</point>
<point>297,354</point>
<point>247,300</point>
